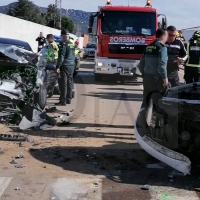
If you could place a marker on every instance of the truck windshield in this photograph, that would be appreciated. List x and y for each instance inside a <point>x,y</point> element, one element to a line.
<point>128,22</point>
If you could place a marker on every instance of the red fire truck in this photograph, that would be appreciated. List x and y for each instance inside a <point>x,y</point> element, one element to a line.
<point>123,32</point>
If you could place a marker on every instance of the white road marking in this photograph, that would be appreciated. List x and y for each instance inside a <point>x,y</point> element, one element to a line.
<point>141,86</point>
<point>77,188</point>
<point>4,182</point>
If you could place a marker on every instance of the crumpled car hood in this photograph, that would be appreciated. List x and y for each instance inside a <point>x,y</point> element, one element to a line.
<point>18,54</point>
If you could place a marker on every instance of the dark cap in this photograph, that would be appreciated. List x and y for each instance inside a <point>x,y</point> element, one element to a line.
<point>64,32</point>
<point>171,28</point>
<point>49,36</point>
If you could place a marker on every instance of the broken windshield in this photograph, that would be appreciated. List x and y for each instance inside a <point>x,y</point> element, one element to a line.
<point>129,23</point>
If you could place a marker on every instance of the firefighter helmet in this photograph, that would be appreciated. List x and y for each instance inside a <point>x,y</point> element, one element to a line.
<point>196,34</point>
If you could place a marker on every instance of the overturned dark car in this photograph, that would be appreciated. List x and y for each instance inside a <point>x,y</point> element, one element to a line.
<point>172,133</point>
<point>23,83</point>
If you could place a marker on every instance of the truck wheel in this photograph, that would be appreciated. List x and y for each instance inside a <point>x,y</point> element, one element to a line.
<point>98,77</point>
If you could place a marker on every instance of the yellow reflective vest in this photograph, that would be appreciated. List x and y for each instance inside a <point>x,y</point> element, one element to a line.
<point>76,50</point>
<point>52,52</point>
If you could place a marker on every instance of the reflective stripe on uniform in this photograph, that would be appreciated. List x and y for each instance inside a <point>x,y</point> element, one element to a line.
<point>188,50</point>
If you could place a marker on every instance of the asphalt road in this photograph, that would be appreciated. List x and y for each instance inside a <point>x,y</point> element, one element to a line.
<point>95,156</point>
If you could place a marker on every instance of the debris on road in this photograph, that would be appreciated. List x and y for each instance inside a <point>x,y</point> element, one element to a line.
<point>20,144</point>
<point>55,110</point>
<point>17,188</point>
<point>51,109</point>
<point>13,162</point>
<point>1,151</point>
<point>19,156</point>
<point>19,166</point>
<point>12,137</point>
<point>145,187</point>
<point>35,117</point>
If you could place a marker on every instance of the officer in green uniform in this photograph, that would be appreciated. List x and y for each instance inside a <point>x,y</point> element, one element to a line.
<point>153,66</point>
<point>65,66</point>
<point>192,66</point>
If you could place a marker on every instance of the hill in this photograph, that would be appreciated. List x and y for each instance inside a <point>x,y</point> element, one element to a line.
<point>79,17</point>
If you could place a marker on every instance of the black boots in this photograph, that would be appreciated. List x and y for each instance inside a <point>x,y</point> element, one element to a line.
<point>60,103</point>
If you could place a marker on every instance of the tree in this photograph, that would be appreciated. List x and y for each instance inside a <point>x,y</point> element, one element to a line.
<point>50,15</point>
<point>67,23</point>
<point>25,9</point>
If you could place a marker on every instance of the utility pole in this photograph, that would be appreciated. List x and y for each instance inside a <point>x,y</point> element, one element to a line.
<point>58,14</point>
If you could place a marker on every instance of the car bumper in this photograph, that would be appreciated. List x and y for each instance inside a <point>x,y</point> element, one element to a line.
<point>117,67</point>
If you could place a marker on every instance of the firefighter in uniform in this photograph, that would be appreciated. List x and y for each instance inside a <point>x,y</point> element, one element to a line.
<point>177,55</point>
<point>65,66</point>
<point>153,66</point>
<point>192,66</point>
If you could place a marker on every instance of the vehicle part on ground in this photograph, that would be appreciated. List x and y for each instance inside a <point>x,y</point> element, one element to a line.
<point>35,117</point>
<point>174,126</point>
<point>12,137</point>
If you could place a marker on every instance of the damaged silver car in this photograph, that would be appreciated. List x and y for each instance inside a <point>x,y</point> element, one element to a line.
<point>173,132</point>
<point>22,81</point>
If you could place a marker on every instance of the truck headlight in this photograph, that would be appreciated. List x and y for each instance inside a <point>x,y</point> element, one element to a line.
<point>99,64</point>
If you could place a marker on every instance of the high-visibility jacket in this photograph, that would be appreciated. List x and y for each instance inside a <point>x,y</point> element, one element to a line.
<point>75,46</point>
<point>193,49</point>
<point>52,52</point>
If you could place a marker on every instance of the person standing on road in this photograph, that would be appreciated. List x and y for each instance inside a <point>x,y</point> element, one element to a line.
<point>41,41</point>
<point>153,66</point>
<point>177,56</point>
<point>52,49</point>
<point>77,42</point>
<point>65,67</point>
<point>52,57</point>
<point>192,66</point>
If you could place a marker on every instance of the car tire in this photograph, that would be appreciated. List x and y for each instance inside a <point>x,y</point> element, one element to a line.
<point>73,94</point>
<point>98,77</point>
<point>40,98</point>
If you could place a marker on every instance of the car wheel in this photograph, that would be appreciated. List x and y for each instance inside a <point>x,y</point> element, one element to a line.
<point>73,94</point>
<point>98,77</point>
<point>40,98</point>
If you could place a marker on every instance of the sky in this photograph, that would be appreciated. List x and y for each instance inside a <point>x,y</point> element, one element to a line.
<point>180,13</point>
